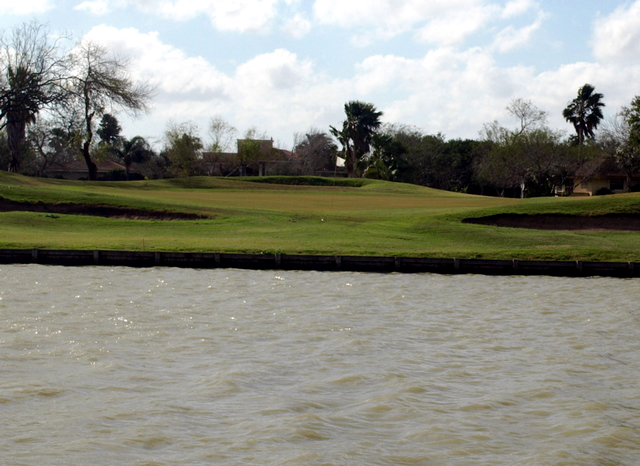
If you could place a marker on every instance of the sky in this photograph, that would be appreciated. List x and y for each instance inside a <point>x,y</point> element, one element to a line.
<point>284,67</point>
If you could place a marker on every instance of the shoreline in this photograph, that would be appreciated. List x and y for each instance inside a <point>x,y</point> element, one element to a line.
<point>321,263</point>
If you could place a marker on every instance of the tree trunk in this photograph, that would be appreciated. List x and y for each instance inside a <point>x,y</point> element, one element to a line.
<point>91,166</point>
<point>350,166</point>
<point>86,145</point>
<point>16,135</point>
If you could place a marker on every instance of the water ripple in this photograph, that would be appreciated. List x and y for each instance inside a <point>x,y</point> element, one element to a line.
<point>169,366</point>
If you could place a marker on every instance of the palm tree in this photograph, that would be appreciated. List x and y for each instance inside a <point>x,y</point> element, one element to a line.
<point>363,120</point>
<point>585,112</point>
<point>132,150</point>
<point>19,109</point>
<point>31,79</point>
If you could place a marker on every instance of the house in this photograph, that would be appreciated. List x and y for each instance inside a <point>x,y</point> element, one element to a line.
<point>254,157</point>
<point>609,182</point>
<point>77,170</point>
<point>599,177</point>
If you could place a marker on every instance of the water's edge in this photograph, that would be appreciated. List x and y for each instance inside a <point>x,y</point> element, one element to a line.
<point>277,261</point>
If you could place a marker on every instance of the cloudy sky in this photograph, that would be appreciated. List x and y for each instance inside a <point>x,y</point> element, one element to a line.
<point>284,66</point>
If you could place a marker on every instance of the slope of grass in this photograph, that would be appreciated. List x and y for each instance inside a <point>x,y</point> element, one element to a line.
<point>307,215</point>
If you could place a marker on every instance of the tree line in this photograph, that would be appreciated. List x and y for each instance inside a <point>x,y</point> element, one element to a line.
<point>76,87</point>
<point>59,103</point>
<point>530,159</point>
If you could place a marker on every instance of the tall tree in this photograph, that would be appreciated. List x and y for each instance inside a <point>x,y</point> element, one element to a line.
<point>254,147</point>
<point>134,150</point>
<point>356,135</point>
<point>182,148</point>
<point>585,112</point>
<point>632,115</point>
<point>529,116</point>
<point>622,138</point>
<point>102,83</point>
<point>31,78</point>
<point>387,161</point>
<point>109,129</point>
<point>530,157</point>
<point>317,150</point>
<point>4,149</point>
<point>222,134</point>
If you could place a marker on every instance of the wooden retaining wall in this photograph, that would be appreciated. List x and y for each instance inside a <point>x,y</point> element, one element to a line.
<point>318,262</point>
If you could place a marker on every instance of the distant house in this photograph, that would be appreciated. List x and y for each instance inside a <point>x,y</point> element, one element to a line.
<point>601,176</point>
<point>77,170</point>
<point>219,163</point>
<point>255,157</point>
<point>613,182</point>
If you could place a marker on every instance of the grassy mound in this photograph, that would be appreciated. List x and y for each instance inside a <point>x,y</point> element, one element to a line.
<point>309,181</point>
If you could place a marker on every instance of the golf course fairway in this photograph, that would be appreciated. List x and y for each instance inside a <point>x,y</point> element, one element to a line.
<point>307,215</point>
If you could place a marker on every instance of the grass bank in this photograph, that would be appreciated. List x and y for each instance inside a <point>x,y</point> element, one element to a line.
<point>306,216</point>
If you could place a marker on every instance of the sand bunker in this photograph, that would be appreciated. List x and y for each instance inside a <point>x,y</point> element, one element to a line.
<point>617,222</point>
<point>7,205</point>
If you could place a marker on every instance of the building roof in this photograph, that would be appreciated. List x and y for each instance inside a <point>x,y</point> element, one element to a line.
<point>80,165</point>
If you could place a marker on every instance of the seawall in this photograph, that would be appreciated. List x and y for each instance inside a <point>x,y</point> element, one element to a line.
<point>318,263</point>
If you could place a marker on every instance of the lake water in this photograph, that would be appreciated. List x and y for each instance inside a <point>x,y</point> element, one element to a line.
<point>173,366</point>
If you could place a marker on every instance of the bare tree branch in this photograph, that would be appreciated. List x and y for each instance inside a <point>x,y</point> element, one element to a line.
<point>101,84</point>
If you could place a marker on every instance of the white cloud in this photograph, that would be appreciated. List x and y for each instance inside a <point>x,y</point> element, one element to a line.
<point>297,26</point>
<point>378,73</point>
<point>95,7</point>
<point>382,19</point>
<point>454,27</point>
<point>385,14</point>
<point>281,91</point>
<point>225,15</point>
<point>617,37</point>
<point>25,7</point>
<point>449,88</point>
<point>282,94</point>
<point>446,90</point>
<point>277,92</point>
<point>455,92</point>
<point>443,22</point>
<point>175,75</point>
<point>511,38</point>
<point>279,70</point>
<point>518,7</point>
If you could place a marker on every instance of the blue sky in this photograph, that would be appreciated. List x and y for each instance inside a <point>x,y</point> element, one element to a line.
<point>285,66</point>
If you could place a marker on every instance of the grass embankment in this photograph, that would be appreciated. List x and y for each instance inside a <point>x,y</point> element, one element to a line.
<point>307,216</point>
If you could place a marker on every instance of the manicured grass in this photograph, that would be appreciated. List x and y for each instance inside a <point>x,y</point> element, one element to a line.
<point>307,216</point>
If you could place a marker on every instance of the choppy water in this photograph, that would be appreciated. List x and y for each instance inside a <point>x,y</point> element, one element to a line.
<point>171,366</point>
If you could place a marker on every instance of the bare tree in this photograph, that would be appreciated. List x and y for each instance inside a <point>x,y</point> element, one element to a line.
<point>222,134</point>
<point>53,142</point>
<point>620,138</point>
<point>614,133</point>
<point>529,157</point>
<point>530,116</point>
<point>101,84</point>
<point>32,77</point>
